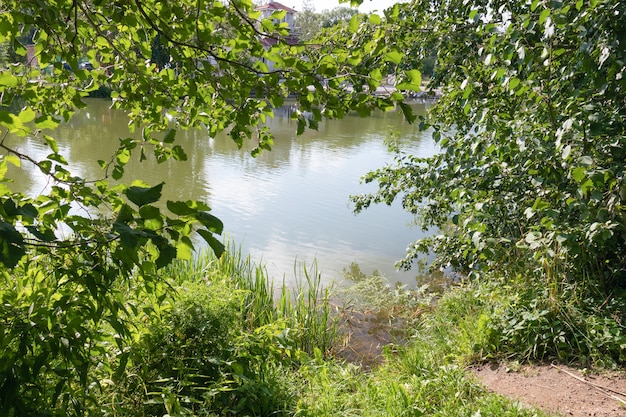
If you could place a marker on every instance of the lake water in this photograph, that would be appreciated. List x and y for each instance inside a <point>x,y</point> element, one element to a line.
<point>286,207</point>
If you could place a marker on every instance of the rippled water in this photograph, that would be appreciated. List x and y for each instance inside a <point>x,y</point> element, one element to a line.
<point>286,206</point>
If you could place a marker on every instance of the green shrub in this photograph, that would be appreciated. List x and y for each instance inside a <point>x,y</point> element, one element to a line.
<point>196,359</point>
<point>183,351</point>
<point>564,325</point>
<point>55,329</point>
<point>527,321</point>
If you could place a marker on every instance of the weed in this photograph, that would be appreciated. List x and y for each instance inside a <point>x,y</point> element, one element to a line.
<point>222,343</point>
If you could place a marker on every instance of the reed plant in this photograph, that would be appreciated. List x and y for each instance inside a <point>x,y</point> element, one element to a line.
<point>223,341</point>
<point>302,303</point>
<point>306,306</point>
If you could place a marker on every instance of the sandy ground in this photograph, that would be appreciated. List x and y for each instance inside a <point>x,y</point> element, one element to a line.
<point>558,389</point>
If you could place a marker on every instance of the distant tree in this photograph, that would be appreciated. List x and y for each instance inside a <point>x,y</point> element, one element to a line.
<point>330,18</point>
<point>310,23</point>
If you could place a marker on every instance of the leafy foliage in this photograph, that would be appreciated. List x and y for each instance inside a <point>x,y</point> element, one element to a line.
<point>519,319</point>
<point>197,358</point>
<point>569,328</point>
<point>530,176</point>
<point>69,255</point>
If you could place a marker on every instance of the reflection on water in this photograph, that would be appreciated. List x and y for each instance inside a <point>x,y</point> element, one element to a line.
<point>288,204</point>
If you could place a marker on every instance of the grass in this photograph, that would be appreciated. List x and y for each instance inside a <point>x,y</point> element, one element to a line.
<point>273,350</point>
<point>221,339</point>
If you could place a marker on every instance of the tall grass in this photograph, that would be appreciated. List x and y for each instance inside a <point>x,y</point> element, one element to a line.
<point>232,343</point>
<point>303,305</point>
<point>225,342</point>
<point>307,306</point>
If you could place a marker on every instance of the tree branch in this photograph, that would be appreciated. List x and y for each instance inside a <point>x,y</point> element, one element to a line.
<point>212,54</point>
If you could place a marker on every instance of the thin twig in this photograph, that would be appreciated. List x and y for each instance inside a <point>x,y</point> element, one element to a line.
<point>600,388</point>
<point>210,52</point>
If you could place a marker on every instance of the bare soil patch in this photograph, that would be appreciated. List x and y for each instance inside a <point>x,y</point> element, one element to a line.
<point>559,389</point>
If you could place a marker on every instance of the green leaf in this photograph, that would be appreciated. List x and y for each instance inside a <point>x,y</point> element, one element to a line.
<point>123,156</point>
<point>375,19</point>
<point>58,158</point>
<point>128,236</point>
<point>167,253</point>
<point>184,248</point>
<point>216,245</point>
<point>10,121</point>
<point>125,214</point>
<point>11,245</point>
<point>181,208</point>
<point>28,210</point>
<point>27,115</point>
<point>47,235</point>
<point>301,125</point>
<point>376,75</point>
<point>170,136</point>
<point>354,24</point>
<point>13,160</point>
<point>413,82</point>
<point>149,212</point>
<point>121,367</point>
<point>19,49</point>
<point>211,222</point>
<point>142,195</point>
<point>51,143</point>
<point>7,79</point>
<point>540,204</point>
<point>46,122</point>
<point>408,112</point>
<point>178,153</point>
<point>10,208</point>
<point>533,5</point>
<point>394,57</point>
<point>118,172</point>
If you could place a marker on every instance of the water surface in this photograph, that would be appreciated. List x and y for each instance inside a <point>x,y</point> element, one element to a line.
<point>285,206</point>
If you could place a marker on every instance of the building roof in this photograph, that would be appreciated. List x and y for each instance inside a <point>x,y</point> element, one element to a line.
<point>274,5</point>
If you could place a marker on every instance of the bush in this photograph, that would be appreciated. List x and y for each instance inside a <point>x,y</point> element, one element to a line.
<point>530,127</point>
<point>566,325</point>
<point>520,320</point>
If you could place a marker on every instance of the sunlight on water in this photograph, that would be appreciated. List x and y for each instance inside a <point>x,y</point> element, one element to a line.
<point>288,204</point>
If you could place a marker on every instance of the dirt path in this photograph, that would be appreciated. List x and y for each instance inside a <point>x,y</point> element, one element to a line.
<point>559,389</point>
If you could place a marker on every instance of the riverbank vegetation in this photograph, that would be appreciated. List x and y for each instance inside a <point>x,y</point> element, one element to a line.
<point>528,190</point>
<point>219,339</point>
<point>108,314</point>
